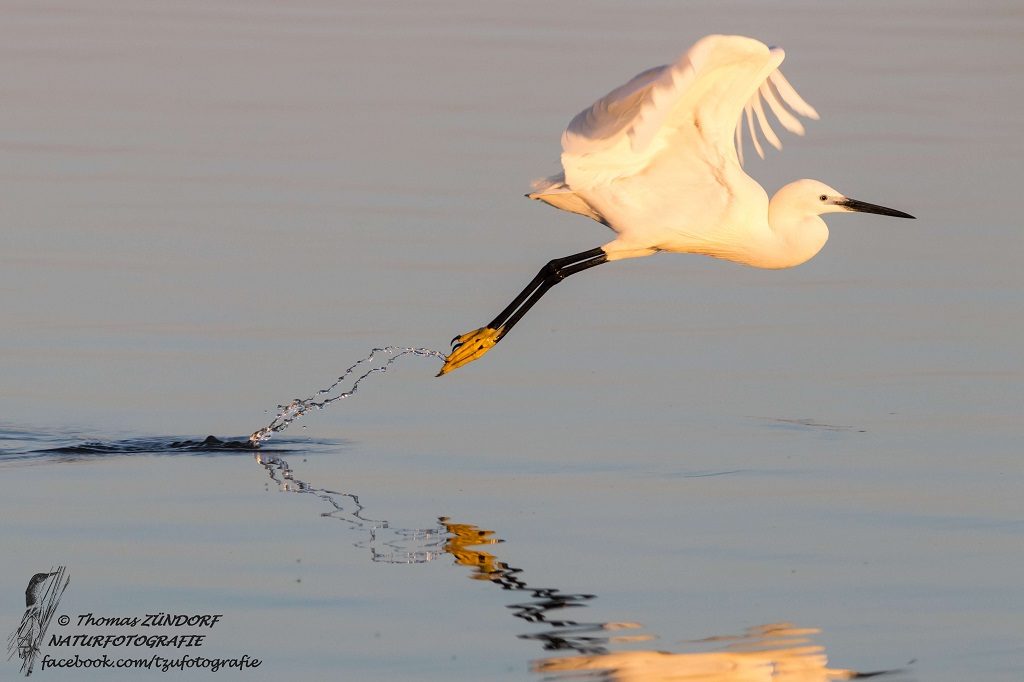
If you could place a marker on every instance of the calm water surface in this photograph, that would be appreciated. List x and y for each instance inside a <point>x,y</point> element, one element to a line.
<point>674,467</point>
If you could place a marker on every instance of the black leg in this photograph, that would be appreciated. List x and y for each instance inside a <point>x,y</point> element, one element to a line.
<point>474,344</point>
<point>550,275</point>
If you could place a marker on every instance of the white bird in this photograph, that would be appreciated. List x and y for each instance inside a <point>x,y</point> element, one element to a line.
<point>659,161</point>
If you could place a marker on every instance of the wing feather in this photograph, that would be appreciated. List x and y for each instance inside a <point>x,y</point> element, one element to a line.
<point>555,192</point>
<point>790,97</point>
<point>766,127</point>
<point>749,109</point>
<point>738,143</point>
<point>608,118</point>
<point>787,119</point>
<point>720,81</point>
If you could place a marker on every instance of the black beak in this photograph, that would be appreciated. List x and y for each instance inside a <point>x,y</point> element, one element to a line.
<point>865,207</point>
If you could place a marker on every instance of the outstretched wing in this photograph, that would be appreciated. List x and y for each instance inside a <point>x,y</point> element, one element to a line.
<point>710,90</point>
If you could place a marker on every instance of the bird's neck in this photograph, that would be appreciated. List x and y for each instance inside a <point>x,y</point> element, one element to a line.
<point>795,238</point>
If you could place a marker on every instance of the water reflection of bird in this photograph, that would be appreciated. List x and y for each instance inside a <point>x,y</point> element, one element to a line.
<point>777,652</point>
<point>562,634</point>
<point>659,161</point>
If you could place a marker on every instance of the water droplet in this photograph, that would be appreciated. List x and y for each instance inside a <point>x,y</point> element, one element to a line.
<point>298,406</point>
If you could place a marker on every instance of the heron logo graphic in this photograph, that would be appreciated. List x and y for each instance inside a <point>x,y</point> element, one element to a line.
<point>41,598</point>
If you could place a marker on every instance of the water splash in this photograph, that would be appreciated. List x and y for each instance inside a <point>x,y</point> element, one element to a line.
<point>298,407</point>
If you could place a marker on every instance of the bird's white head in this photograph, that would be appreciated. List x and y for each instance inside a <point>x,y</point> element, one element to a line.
<point>812,197</point>
<point>793,215</point>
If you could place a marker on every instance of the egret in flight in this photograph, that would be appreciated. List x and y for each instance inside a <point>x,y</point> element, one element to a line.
<point>659,160</point>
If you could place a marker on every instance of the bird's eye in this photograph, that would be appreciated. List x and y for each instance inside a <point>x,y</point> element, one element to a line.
<point>823,197</point>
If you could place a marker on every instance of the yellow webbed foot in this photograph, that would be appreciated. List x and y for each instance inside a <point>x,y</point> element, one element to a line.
<point>469,347</point>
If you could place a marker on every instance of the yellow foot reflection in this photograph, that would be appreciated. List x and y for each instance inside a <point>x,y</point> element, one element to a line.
<point>469,347</point>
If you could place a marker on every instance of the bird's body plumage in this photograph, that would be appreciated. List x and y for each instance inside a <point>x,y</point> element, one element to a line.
<point>659,160</point>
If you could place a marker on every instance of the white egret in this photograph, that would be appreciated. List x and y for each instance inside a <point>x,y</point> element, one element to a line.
<point>659,161</point>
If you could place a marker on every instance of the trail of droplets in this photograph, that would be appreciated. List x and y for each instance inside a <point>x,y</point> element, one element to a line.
<point>300,406</point>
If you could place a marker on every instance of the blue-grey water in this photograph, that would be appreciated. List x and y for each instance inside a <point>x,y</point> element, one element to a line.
<point>694,468</point>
